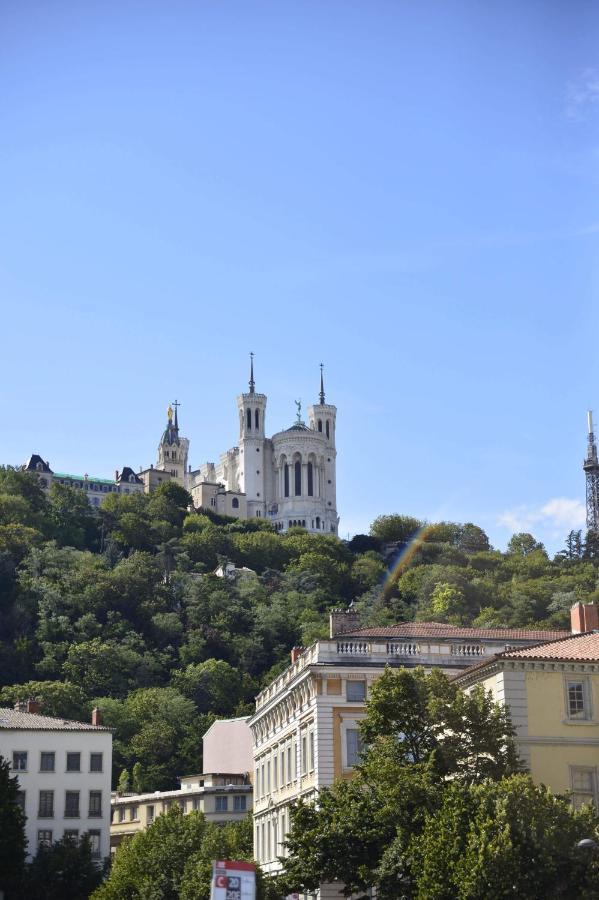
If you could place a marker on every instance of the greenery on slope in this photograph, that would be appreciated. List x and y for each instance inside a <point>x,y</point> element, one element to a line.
<point>120,607</point>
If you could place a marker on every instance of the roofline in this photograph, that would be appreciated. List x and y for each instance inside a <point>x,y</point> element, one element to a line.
<point>518,656</point>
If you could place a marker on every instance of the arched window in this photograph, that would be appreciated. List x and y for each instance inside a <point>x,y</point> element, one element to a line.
<point>39,467</point>
<point>249,419</point>
<point>257,419</point>
<point>132,479</point>
<point>320,424</point>
<point>310,480</point>
<point>328,432</point>
<point>318,521</point>
<point>235,503</point>
<point>286,479</point>
<point>298,478</point>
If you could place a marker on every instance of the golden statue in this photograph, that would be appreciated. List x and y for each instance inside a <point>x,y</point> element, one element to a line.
<point>169,413</point>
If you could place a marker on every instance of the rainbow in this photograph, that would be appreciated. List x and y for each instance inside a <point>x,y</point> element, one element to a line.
<point>405,556</point>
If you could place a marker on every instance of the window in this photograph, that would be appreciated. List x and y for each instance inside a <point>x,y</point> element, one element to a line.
<point>235,503</point>
<point>311,751</point>
<point>95,804</point>
<point>304,756</point>
<point>150,813</point>
<point>318,521</point>
<point>19,761</point>
<point>353,746</point>
<point>275,774</point>
<point>584,786</point>
<point>289,776</point>
<point>47,762</point>
<point>122,811</point>
<point>46,807</point>
<point>95,762</point>
<point>71,834</point>
<point>327,429</point>
<point>71,805</point>
<point>298,478</point>
<point>94,842</point>
<point>240,804</point>
<point>356,691</point>
<point>44,837</point>
<point>249,419</point>
<point>21,800</point>
<point>222,804</point>
<point>320,425</point>
<point>195,803</point>
<point>268,777</point>
<point>73,762</point>
<point>257,419</point>
<point>286,479</point>
<point>282,768</point>
<point>310,479</point>
<point>578,705</point>
<point>134,813</point>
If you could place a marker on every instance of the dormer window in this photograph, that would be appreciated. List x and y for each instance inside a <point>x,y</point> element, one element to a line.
<point>39,467</point>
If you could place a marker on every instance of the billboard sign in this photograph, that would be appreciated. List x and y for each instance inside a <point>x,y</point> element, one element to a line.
<point>233,880</point>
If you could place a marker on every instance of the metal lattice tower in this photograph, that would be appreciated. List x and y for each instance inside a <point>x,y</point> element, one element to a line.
<point>591,468</point>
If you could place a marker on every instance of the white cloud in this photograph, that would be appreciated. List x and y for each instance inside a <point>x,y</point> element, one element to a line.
<point>582,93</point>
<point>557,516</point>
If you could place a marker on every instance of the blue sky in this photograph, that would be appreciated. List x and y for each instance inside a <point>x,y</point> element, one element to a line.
<point>405,191</point>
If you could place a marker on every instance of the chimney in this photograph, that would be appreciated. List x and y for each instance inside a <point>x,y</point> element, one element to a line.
<point>33,706</point>
<point>296,652</point>
<point>20,706</point>
<point>343,620</point>
<point>584,617</point>
<point>96,716</point>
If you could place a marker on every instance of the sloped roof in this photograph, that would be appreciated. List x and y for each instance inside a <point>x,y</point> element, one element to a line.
<point>443,630</point>
<point>572,648</point>
<point>14,719</point>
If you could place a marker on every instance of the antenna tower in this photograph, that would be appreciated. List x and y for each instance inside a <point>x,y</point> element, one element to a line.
<point>591,469</point>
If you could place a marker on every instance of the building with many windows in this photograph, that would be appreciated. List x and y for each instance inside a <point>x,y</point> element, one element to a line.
<point>223,793</point>
<point>64,770</point>
<point>306,725</point>
<point>96,489</point>
<point>552,693</point>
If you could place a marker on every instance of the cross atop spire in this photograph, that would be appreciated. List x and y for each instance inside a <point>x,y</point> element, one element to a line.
<point>321,385</point>
<point>252,382</point>
<point>176,404</point>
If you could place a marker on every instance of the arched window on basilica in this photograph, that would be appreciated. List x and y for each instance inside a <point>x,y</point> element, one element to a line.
<point>249,419</point>
<point>298,478</point>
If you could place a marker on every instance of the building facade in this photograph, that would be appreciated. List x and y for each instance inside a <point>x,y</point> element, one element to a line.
<point>223,793</point>
<point>222,798</point>
<point>289,479</point>
<point>64,770</point>
<point>306,725</point>
<point>552,694</point>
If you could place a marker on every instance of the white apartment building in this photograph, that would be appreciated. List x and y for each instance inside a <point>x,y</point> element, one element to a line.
<point>306,725</point>
<point>64,771</point>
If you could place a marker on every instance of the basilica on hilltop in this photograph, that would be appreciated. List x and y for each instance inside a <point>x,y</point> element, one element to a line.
<point>287,479</point>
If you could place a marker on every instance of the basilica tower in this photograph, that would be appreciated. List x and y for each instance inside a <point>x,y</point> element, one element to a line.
<point>252,462</point>
<point>173,450</point>
<point>323,419</point>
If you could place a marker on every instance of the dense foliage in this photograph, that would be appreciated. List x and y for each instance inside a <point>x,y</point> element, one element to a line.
<point>438,810</point>
<point>120,607</point>
<point>172,859</point>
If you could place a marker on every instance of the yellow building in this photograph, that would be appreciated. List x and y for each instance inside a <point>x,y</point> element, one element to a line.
<point>552,693</point>
<point>305,728</point>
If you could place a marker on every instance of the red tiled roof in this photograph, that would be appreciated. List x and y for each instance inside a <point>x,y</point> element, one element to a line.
<point>583,647</point>
<point>440,629</point>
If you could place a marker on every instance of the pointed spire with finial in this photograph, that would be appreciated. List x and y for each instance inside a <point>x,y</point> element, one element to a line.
<point>176,404</point>
<point>321,385</point>
<point>252,382</point>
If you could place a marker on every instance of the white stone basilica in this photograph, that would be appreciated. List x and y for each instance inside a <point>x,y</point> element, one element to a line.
<point>288,479</point>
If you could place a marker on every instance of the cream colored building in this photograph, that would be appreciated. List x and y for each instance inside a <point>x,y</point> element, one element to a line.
<point>222,798</point>
<point>552,693</point>
<point>223,795</point>
<point>306,724</point>
<point>96,489</point>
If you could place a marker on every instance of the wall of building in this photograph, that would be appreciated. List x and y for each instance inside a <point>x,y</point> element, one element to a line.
<point>228,747</point>
<point>33,780</point>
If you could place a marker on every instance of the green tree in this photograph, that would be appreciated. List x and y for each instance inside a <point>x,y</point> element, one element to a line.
<point>213,685</point>
<point>523,543</point>
<point>13,842</point>
<point>63,870</point>
<point>61,699</point>
<point>124,782</point>
<point>137,778</point>
<point>510,838</point>
<point>395,528</point>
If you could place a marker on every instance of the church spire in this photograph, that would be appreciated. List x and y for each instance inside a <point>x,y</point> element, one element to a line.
<point>176,404</point>
<point>321,385</point>
<point>252,382</point>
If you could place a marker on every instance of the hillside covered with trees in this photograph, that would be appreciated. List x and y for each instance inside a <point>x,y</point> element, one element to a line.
<point>120,607</point>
